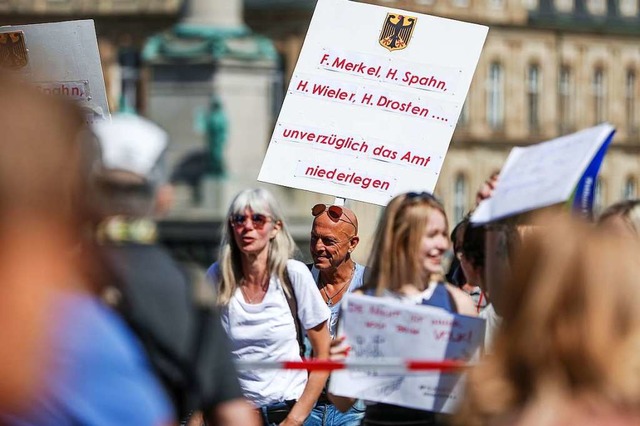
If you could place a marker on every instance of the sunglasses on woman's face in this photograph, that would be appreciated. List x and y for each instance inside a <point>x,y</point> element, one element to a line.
<point>334,213</point>
<point>258,220</point>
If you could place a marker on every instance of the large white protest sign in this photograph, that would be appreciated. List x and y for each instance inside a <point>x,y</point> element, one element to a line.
<point>548,173</point>
<point>383,328</point>
<point>373,102</point>
<point>61,58</point>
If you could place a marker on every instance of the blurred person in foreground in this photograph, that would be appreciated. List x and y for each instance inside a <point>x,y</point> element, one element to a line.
<point>622,217</point>
<point>267,300</point>
<point>334,236</point>
<point>165,303</point>
<point>406,265</point>
<point>567,352</point>
<point>67,358</point>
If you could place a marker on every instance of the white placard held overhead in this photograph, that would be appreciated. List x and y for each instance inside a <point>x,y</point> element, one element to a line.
<point>61,58</point>
<point>373,102</point>
<point>381,328</point>
<point>553,172</point>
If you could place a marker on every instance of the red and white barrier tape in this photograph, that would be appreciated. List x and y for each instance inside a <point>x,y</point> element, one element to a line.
<point>386,365</point>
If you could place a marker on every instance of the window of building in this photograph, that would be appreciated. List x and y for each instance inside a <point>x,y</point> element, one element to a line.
<point>628,7</point>
<point>495,96</point>
<point>425,2</point>
<point>599,96</point>
<point>461,3</point>
<point>598,196</point>
<point>565,100</point>
<point>630,189</point>
<point>597,7</point>
<point>630,102</point>
<point>530,5</point>
<point>564,5</point>
<point>459,198</point>
<point>130,63</point>
<point>533,97</point>
<point>464,114</point>
<point>496,4</point>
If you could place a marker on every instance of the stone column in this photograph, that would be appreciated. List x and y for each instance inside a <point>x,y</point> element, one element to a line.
<point>214,13</point>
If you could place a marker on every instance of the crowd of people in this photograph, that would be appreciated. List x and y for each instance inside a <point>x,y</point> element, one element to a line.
<point>101,326</point>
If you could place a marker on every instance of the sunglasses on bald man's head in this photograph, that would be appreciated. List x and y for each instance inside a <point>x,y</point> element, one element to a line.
<point>334,212</point>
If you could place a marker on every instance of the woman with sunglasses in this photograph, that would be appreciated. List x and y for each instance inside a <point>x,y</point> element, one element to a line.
<point>255,281</point>
<point>406,264</point>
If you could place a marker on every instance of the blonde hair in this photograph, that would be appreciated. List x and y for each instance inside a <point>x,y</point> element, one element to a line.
<point>571,327</point>
<point>281,248</point>
<point>395,253</point>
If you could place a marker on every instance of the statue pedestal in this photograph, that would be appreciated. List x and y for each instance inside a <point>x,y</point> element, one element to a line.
<point>187,68</point>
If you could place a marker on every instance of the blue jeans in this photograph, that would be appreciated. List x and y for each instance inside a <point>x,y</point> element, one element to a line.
<point>274,414</point>
<point>329,415</point>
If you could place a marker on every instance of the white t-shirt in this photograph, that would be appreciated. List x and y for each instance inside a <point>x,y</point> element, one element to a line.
<point>266,332</point>
<point>493,322</point>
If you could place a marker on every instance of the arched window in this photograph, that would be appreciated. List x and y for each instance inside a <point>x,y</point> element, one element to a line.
<point>464,114</point>
<point>565,100</point>
<point>597,7</point>
<point>599,96</point>
<point>628,8</point>
<point>630,189</point>
<point>533,97</point>
<point>564,5</point>
<point>598,196</point>
<point>459,198</point>
<point>495,96</point>
<point>630,102</point>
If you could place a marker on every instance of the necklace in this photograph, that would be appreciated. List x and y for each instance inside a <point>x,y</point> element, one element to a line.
<point>344,286</point>
<point>263,291</point>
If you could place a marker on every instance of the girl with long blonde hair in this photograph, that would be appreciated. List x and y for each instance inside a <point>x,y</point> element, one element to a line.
<point>411,243</point>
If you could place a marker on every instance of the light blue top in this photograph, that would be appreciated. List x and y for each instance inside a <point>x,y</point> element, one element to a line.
<point>98,374</point>
<point>357,281</point>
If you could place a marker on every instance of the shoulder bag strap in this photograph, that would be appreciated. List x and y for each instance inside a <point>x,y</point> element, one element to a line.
<point>293,307</point>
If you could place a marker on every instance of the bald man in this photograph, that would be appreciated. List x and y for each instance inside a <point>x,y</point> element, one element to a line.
<point>334,236</point>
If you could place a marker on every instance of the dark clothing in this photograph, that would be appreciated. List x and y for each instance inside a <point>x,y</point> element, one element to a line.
<point>386,415</point>
<point>183,338</point>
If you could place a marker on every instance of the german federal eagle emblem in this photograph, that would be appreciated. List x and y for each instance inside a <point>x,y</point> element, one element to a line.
<point>396,31</point>
<point>13,50</point>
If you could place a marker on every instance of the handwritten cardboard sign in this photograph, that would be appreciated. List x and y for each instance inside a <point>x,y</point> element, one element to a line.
<point>548,173</point>
<point>62,58</point>
<point>373,102</point>
<point>381,328</point>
